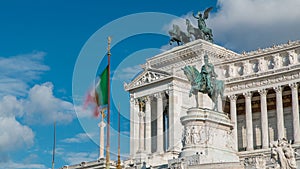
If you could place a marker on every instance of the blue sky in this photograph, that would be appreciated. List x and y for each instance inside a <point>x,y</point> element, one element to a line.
<point>48,58</point>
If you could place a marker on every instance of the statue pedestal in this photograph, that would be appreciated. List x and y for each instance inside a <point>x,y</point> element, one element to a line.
<point>208,133</point>
<point>204,101</point>
<point>207,140</point>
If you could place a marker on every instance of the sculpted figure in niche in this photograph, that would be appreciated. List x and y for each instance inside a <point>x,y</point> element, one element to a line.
<point>291,58</point>
<point>261,65</point>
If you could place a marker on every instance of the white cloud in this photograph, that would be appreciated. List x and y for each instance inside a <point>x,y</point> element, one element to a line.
<point>78,157</point>
<point>251,24</point>
<point>15,165</point>
<point>42,107</point>
<point>79,138</point>
<point>127,73</point>
<point>10,107</point>
<point>17,71</point>
<point>14,135</point>
<point>243,25</point>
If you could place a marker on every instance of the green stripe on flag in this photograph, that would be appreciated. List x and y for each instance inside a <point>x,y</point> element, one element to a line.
<point>102,88</point>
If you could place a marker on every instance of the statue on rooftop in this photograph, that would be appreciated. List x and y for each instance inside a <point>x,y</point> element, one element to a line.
<point>197,33</point>
<point>178,36</point>
<point>202,24</point>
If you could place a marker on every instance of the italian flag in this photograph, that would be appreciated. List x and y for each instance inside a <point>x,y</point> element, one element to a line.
<point>98,95</point>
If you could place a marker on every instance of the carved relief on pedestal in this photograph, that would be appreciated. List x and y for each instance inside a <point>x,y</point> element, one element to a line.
<point>193,135</point>
<point>257,162</point>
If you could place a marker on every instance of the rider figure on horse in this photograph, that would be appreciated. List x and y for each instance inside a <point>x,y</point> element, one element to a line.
<point>209,75</point>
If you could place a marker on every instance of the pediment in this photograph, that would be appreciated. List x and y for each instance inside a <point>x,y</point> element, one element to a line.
<point>146,77</point>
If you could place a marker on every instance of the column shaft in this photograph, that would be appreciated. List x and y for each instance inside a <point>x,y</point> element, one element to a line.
<point>233,116</point>
<point>264,118</point>
<point>249,127</point>
<point>171,121</point>
<point>279,112</point>
<point>101,149</point>
<point>295,108</point>
<point>132,128</point>
<point>160,134</point>
<point>141,132</point>
<point>148,125</point>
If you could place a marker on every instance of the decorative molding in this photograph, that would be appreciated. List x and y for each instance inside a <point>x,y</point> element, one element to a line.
<point>146,77</point>
<point>262,82</point>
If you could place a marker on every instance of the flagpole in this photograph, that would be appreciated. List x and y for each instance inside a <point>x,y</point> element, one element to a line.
<point>119,149</point>
<point>108,106</point>
<point>54,144</point>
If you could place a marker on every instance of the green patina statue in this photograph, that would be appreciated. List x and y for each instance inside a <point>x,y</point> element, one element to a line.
<point>202,32</point>
<point>205,81</point>
<point>202,25</point>
<point>178,36</point>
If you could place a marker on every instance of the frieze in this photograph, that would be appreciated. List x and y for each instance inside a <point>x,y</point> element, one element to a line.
<point>262,82</point>
<point>166,60</point>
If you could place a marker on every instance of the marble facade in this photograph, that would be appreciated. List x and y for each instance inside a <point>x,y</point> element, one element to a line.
<point>261,104</point>
<point>262,99</point>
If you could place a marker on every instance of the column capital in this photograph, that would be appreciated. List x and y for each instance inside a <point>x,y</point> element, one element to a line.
<point>131,96</point>
<point>141,103</point>
<point>170,86</point>
<point>263,92</point>
<point>136,101</point>
<point>278,89</point>
<point>293,86</point>
<point>148,99</point>
<point>158,95</point>
<point>247,94</point>
<point>232,97</point>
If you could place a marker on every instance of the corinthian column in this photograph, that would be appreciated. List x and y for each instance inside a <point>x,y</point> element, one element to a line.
<point>295,107</point>
<point>134,126</point>
<point>148,125</point>
<point>264,118</point>
<point>279,112</point>
<point>141,132</point>
<point>233,116</point>
<point>159,137</point>
<point>249,127</point>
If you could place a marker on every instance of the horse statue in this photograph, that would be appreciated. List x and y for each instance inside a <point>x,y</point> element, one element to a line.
<point>178,36</point>
<point>202,25</point>
<point>193,31</point>
<point>199,84</point>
